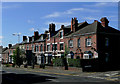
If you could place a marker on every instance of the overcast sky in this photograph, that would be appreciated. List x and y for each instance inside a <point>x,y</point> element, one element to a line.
<point>26,17</point>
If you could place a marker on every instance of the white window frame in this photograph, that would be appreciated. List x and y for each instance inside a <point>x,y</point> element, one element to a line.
<point>47,48</point>
<point>86,56</point>
<point>88,40</point>
<point>61,35</point>
<point>70,43</point>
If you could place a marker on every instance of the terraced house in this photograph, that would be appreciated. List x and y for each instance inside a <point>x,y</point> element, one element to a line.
<point>84,41</point>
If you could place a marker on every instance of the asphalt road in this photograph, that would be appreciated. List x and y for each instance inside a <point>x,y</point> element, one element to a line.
<point>18,76</point>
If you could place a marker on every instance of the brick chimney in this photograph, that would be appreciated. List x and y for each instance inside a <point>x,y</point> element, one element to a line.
<point>30,39</point>
<point>36,35</point>
<point>74,24</point>
<point>24,38</point>
<point>104,22</point>
<point>9,46</point>
<point>62,26</point>
<point>52,27</point>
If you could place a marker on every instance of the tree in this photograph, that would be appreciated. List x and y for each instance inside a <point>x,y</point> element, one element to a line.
<point>65,57</point>
<point>18,57</point>
<point>67,51</point>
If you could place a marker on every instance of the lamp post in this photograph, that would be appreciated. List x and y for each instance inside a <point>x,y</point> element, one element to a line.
<point>17,34</point>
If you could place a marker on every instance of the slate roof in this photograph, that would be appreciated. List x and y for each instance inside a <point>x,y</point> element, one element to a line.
<point>14,46</point>
<point>91,28</point>
<point>69,26</point>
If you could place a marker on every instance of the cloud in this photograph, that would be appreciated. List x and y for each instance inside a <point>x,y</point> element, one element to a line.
<point>71,11</point>
<point>30,21</point>
<point>89,18</point>
<point>11,6</point>
<point>1,37</point>
<point>102,4</point>
<point>32,29</point>
<point>55,14</point>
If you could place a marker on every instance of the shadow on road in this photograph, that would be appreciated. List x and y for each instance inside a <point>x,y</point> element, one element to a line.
<point>11,78</point>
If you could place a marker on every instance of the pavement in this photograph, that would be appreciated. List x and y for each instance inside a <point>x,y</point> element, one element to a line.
<point>108,75</point>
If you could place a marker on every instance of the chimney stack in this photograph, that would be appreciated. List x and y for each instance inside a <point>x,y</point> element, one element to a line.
<point>62,26</point>
<point>36,35</point>
<point>104,22</point>
<point>24,38</point>
<point>30,39</point>
<point>74,24</point>
<point>9,45</point>
<point>52,27</point>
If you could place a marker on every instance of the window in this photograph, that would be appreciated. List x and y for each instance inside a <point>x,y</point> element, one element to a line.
<point>48,36</point>
<point>88,42</point>
<point>61,34</point>
<point>32,38</point>
<point>86,56</point>
<point>36,48</point>
<point>27,47</point>
<point>33,48</point>
<point>54,47</point>
<point>106,42</point>
<point>61,46</point>
<point>70,43</point>
<point>41,38</point>
<point>41,47</point>
<point>78,42</point>
<point>48,47</point>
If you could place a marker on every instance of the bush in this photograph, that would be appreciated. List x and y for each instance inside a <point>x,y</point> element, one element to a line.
<point>13,65</point>
<point>74,62</point>
<point>58,62</point>
<point>7,65</point>
<point>42,66</point>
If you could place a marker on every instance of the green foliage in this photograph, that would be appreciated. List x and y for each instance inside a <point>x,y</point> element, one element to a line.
<point>67,50</point>
<point>7,65</point>
<point>74,62</point>
<point>17,57</point>
<point>58,62</point>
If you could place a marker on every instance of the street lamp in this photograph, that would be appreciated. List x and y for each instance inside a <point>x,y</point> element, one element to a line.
<point>17,34</point>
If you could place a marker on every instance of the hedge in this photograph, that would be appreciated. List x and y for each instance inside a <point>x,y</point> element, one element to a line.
<point>74,62</point>
<point>71,62</point>
<point>58,62</point>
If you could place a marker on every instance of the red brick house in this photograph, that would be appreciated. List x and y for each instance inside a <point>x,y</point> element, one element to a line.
<point>85,41</point>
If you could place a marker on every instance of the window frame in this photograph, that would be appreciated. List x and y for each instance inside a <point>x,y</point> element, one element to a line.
<point>88,42</point>
<point>70,42</point>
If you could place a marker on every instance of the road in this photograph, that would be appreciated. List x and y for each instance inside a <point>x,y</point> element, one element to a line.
<point>21,76</point>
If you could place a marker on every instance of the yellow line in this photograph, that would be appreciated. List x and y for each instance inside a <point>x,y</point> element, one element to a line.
<point>49,72</point>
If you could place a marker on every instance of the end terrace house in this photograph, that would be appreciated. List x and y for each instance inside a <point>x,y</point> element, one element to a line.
<point>84,41</point>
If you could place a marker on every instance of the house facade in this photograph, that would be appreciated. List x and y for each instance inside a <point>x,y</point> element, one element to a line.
<point>84,41</point>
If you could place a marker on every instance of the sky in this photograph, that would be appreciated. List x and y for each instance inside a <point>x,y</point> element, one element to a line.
<point>26,17</point>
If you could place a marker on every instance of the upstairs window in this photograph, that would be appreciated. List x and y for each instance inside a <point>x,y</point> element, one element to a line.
<point>88,42</point>
<point>61,46</point>
<point>33,48</point>
<point>107,42</point>
<point>54,47</point>
<point>36,48</point>
<point>61,34</point>
<point>48,47</point>
<point>27,47</point>
<point>48,36</point>
<point>41,47</point>
<point>78,42</point>
<point>70,43</point>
